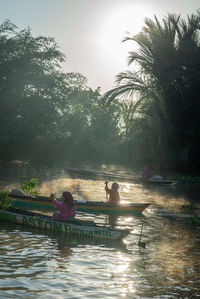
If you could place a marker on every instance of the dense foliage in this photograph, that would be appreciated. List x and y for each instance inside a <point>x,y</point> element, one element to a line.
<point>46,115</point>
<point>5,200</point>
<point>28,187</point>
<point>165,126</point>
<point>151,117</point>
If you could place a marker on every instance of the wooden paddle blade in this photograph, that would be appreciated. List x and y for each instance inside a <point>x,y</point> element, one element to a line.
<point>141,244</point>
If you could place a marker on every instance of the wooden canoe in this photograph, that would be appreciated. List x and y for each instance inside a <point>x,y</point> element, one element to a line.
<point>76,227</point>
<point>82,205</point>
<point>159,181</point>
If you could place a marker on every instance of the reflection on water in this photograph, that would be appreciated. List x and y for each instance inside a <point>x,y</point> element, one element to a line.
<point>35,264</point>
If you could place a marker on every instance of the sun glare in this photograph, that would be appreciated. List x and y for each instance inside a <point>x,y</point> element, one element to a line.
<point>126,188</point>
<point>117,24</point>
<point>114,26</point>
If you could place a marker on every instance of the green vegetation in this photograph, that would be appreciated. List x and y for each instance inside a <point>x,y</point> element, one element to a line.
<point>189,207</point>
<point>165,125</point>
<point>5,201</point>
<point>28,187</point>
<point>152,116</point>
<point>48,116</point>
<point>195,218</point>
<point>186,178</point>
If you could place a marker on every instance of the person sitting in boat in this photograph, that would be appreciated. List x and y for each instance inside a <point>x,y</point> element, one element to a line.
<point>113,193</point>
<point>146,174</point>
<point>66,207</point>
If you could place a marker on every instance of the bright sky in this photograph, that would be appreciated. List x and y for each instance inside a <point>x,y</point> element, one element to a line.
<point>90,32</point>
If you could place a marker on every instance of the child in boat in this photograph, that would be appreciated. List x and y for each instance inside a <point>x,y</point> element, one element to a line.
<point>146,173</point>
<point>66,207</point>
<point>113,193</point>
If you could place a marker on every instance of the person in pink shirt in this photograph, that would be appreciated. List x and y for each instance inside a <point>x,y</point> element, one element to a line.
<point>66,207</point>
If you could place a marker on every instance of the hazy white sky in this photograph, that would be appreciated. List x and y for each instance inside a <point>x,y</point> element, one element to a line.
<point>89,32</point>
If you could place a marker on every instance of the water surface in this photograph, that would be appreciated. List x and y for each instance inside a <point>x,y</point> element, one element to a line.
<point>35,264</point>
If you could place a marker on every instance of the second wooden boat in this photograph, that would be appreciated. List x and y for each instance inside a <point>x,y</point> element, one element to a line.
<point>82,205</point>
<point>159,181</point>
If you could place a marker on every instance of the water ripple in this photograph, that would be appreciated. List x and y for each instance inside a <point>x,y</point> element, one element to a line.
<point>34,264</point>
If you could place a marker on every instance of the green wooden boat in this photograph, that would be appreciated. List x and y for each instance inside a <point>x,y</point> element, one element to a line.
<point>81,205</point>
<point>74,226</point>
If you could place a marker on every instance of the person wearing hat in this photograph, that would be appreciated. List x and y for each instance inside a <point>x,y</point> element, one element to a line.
<point>113,193</point>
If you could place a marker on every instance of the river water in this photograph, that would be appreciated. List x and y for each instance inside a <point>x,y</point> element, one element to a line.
<point>34,264</point>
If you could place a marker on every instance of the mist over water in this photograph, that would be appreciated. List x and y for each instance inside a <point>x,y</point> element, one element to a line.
<point>35,264</point>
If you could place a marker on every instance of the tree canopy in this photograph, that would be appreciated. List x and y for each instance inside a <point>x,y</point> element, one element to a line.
<point>45,114</point>
<point>167,107</point>
<point>152,116</point>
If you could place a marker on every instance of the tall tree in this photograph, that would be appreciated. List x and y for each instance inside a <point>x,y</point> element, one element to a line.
<point>167,84</point>
<point>31,89</point>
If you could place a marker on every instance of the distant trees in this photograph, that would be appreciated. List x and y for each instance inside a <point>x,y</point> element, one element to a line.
<point>47,116</point>
<point>165,127</point>
<point>30,90</point>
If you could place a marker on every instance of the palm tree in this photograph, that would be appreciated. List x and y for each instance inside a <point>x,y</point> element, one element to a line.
<point>167,80</point>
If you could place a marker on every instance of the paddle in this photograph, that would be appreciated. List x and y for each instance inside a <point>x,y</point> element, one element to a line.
<point>141,244</point>
<point>106,183</point>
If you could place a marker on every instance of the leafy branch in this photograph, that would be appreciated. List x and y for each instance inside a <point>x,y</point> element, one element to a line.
<point>29,186</point>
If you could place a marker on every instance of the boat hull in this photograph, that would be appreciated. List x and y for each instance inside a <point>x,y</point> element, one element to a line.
<point>83,206</point>
<point>105,208</point>
<point>160,181</point>
<point>47,224</point>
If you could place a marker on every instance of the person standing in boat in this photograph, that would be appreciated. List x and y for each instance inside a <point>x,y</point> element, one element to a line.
<point>66,207</point>
<point>113,193</point>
